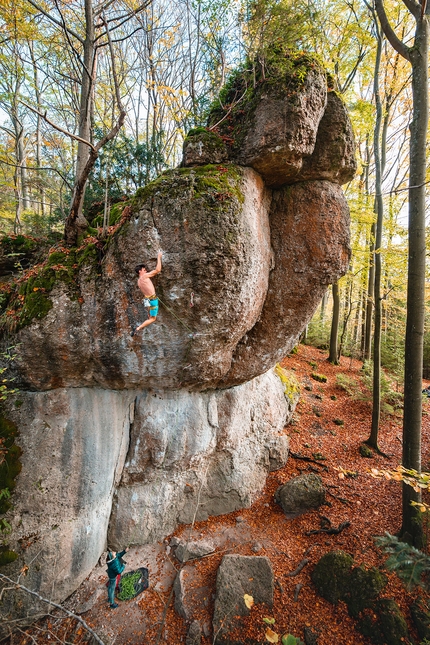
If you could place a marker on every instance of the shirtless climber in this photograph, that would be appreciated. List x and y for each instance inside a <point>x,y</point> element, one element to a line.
<point>146,286</point>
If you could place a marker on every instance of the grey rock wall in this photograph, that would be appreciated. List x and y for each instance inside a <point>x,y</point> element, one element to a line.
<point>101,467</point>
<point>198,454</point>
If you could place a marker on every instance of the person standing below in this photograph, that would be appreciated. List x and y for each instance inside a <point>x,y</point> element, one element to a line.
<point>146,286</point>
<point>115,567</point>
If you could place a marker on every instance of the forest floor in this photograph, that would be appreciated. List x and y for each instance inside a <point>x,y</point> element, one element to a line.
<point>327,423</point>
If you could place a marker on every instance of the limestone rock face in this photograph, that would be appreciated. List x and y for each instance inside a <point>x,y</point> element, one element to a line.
<point>284,130</point>
<point>197,455</point>
<point>71,465</point>
<point>203,147</point>
<point>309,223</point>
<point>140,462</point>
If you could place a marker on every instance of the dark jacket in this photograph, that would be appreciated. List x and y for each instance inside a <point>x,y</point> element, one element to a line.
<point>115,565</point>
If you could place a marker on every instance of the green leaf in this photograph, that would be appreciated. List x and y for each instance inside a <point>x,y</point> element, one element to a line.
<point>268,621</point>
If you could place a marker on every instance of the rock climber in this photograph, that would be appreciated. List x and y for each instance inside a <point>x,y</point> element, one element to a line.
<point>115,566</point>
<point>146,286</point>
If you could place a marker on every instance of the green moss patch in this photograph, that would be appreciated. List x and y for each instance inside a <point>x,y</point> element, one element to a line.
<point>29,299</point>
<point>365,585</point>
<point>115,213</point>
<point>10,466</point>
<point>384,624</point>
<point>284,74</point>
<point>214,183</point>
<point>290,383</point>
<point>332,574</point>
<point>7,556</point>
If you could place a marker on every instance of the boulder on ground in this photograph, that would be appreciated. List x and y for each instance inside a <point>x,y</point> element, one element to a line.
<point>239,576</point>
<point>194,634</point>
<point>301,494</point>
<point>331,575</point>
<point>193,550</point>
<point>384,624</point>
<point>421,616</point>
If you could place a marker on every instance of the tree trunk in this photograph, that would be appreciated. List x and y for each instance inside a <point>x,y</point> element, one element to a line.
<point>76,221</point>
<point>417,55</point>
<point>379,210</point>
<point>333,353</point>
<point>412,522</point>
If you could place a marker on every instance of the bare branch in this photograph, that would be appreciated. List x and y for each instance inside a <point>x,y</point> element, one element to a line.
<point>53,604</point>
<point>15,165</point>
<point>54,20</point>
<point>413,7</point>
<point>124,19</point>
<point>57,127</point>
<point>397,44</point>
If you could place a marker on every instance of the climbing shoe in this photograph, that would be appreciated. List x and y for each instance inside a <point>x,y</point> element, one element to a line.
<point>133,331</point>
<point>114,606</point>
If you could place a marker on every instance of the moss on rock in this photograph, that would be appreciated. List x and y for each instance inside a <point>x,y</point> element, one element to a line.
<point>29,298</point>
<point>389,627</point>
<point>364,587</point>
<point>421,616</point>
<point>7,555</point>
<point>331,575</point>
<point>10,467</point>
<point>213,183</point>
<point>290,383</point>
<point>284,72</point>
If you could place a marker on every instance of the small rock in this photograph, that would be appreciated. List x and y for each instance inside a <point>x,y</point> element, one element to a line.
<point>301,494</point>
<point>194,635</point>
<point>179,591</point>
<point>83,607</point>
<point>256,547</point>
<point>239,519</point>
<point>175,541</point>
<point>365,451</point>
<point>311,638</point>
<point>191,550</point>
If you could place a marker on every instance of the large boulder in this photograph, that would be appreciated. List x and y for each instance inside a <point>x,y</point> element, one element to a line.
<point>242,275</point>
<point>122,438</point>
<point>237,576</point>
<point>214,227</point>
<point>309,225</point>
<point>193,455</point>
<point>291,126</point>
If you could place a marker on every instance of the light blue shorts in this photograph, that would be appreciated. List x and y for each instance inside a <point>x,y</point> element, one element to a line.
<point>152,305</point>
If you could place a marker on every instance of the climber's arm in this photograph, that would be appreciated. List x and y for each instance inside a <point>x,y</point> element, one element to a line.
<point>157,268</point>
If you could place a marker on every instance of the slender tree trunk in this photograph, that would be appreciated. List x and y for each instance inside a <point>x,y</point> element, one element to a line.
<point>412,523</point>
<point>323,306</point>
<point>370,296</point>
<point>379,210</point>
<point>76,221</point>
<point>38,131</point>
<point>333,353</point>
<point>417,55</point>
